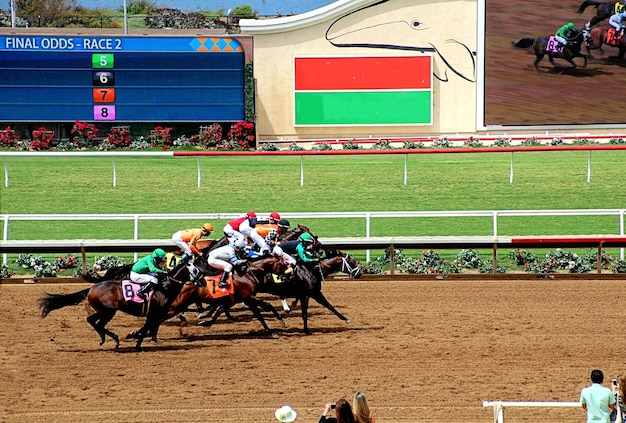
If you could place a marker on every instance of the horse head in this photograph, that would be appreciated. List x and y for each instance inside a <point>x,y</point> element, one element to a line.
<point>338,261</point>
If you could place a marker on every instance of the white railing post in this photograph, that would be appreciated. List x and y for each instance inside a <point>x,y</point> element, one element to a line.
<point>589,167</point>
<point>406,175</point>
<point>621,231</point>
<point>5,236</point>
<point>511,170</point>
<point>114,174</point>
<point>494,223</point>
<point>301,171</point>
<point>199,174</point>
<point>367,233</point>
<point>6,172</point>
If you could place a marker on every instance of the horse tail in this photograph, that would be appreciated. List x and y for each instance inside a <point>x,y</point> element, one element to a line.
<point>523,43</point>
<point>586,3</point>
<point>56,301</point>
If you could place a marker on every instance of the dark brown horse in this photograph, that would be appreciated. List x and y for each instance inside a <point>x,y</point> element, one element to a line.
<point>106,298</point>
<point>598,37</point>
<point>245,284</point>
<point>604,10</point>
<point>307,282</point>
<point>540,46</point>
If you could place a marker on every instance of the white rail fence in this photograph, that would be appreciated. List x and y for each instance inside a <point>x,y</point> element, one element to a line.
<point>499,406</point>
<point>494,215</point>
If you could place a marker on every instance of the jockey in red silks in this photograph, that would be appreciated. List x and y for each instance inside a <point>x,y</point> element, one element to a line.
<point>240,228</point>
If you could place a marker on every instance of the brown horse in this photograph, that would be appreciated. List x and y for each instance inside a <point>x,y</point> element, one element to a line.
<point>598,36</point>
<point>106,298</point>
<point>245,284</point>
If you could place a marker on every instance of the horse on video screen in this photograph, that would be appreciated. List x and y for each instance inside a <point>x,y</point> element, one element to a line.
<point>600,36</point>
<point>545,45</point>
<point>109,296</point>
<point>604,10</point>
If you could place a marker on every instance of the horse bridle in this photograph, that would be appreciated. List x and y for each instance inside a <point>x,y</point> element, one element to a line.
<point>345,267</point>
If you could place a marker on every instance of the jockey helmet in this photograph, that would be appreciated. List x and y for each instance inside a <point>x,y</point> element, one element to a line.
<point>283,223</point>
<point>274,216</point>
<point>306,238</point>
<point>158,253</point>
<point>240,243</point>
<point>570,25</point>
<point>251,214</point>
<point>207,227</point>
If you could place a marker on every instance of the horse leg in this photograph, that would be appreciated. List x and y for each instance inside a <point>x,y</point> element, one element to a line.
<point>216,311</point>
<point>252,304</point>
<point>320,298</point>
<point>538,59</point>
<point>304,301</point>
<point>268,307</point>
<point>98,321</point>
<point>286,308</point>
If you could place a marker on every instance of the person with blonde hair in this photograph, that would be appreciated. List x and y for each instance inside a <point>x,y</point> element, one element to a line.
<point>361,409</point>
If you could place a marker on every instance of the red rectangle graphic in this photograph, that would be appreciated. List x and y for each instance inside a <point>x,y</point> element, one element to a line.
<point>363,73</point>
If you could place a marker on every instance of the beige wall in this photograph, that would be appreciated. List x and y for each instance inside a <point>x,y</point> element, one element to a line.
<point>277,41</point>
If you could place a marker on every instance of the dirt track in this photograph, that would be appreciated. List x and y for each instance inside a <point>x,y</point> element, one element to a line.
<point>427,351</point>
<point>517,94</point>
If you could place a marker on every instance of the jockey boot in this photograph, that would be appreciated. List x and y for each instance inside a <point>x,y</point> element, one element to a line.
<point>185,257</point>
<point>224,280</point>
<point>144,290</point>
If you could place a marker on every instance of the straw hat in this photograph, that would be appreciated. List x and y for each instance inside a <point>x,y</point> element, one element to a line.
<point>285,414</point>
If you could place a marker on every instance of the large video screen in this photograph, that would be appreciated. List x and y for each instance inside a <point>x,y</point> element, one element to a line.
<point>518,93</point>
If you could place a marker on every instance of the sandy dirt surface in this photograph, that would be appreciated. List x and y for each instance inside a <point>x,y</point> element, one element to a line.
<point>423,351</point>
<point>517,94</point>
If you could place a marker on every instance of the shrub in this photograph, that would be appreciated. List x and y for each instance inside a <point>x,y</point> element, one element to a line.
<point>107,262</point>
<point>583,141</point>
<point>268,146</point>
<point>241,134</point>
<point>472,142</point>
<point>442,143</point>
<point>295,147</point>
<point>350,145</point>
<point>531,142</point>
<point>382,145</point>
<point>42,139</point>
<point>68,262</point>
<point>556,141</point>
<point>8,137</point>
<point>4,271</point>
<point>161,137</point>
<point>209,136</point>
<point>469,259</point>
<point>620,267</point>
<point>322,147</point>
<point>84,134</point>
<point>522,257</point>
<point>502,142</point>
<point>411,145</point>
<point>119,137</point>
<point>617,141</point>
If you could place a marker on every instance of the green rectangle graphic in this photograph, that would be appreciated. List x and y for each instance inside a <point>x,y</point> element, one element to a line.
<point>363,108</point>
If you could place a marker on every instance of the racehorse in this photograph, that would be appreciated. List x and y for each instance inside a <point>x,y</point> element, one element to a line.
<point>306,283</point>
<point>245,284</point>
<point>598,36</point>
<point>603,10</point>
<point>540,47</point>
<point>107,297</point>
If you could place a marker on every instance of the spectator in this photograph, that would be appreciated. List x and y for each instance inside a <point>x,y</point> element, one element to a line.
<point>597,400</point>
<point>618,387</point>
<point>343,412</point>
<point>361,409</point>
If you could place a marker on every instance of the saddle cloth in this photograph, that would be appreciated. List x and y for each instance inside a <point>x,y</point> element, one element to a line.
<point>130,288</point>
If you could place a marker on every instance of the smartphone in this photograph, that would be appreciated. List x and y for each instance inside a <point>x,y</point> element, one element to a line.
<point>333,406</point>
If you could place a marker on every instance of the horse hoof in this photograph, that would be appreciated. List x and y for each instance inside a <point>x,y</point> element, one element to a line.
<point>182,318</point>
<point>273,335</point>
<point>205,323</point>
<point>347,320</point>
<point>155,340</point>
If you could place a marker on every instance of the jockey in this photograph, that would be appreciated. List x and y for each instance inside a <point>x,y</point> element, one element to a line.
<point>304,249</point>
<point>186,239</point>
<point>617,22</point>
<point>145,272</point>
<point>240,228</point>
<point>283,226</point>
<point>564,33</point>
<point>225,257</point>
<point>272,219</point>
<point>266,235</point>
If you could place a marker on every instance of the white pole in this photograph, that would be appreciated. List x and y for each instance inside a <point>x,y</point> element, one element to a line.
<point>367,233</point>
<point>13,14</point>
<point>406,177</point>
<point>301,171</point>
<point>114,174</point>
<point>199,174</point>
<point>6,173</point>
<point>5,256</point>
<point>136,232</point>
<point>589,167</point>
<point>511,171</point>
<point>621,232</point>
